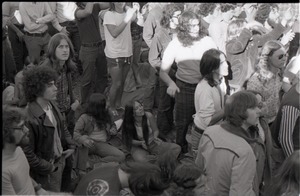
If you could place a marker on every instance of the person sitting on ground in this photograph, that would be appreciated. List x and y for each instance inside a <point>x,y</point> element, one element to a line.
<point>140,134</point>
<point>93,131</point>
<point>140,178</point>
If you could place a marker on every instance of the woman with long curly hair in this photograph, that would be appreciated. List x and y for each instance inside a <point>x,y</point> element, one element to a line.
<point>93,131</point>
<point>267,80</point>
<point>140,135</point>
<point>189,45</point>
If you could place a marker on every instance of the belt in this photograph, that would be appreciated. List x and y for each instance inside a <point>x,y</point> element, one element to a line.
<point>185,83</point>
<point>201,131</point>
<point>36,34</point>
<point>95,44</point>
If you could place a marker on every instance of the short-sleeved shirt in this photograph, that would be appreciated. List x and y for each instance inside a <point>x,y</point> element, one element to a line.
<point>187,58</point>
<point>121,46</point>
<point>102,181</point>
<point>88,27</point>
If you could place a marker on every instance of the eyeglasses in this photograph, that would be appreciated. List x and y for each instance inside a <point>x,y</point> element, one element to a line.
<point>23,128</point>
<point>281,56</point>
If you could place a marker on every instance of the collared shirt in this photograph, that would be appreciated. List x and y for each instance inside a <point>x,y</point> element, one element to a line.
<point>63,98</point>
<point>57,147</point>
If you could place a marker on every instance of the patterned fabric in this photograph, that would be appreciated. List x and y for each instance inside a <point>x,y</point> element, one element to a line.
<point>63,99</point>
<point>270,91</point>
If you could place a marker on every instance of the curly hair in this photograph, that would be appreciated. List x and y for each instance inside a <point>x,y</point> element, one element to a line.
<point>183,28</point>
<point>235,28</point>
<point>128,127</point>
<point>236,107</point>
<point>96,107</point>
<point>11,116</point>
<point>263,11</point>
<point>168,12</point>
<point>35,81</point>
<point>204,9</point>
<point>225,7</point>
<point>54,62</point>
<point>264,73</point>
<point>209,62</point>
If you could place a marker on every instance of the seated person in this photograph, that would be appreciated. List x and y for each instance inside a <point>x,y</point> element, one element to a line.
<point>141,178</point>
<point>93,131</point>
<point>139,135</point>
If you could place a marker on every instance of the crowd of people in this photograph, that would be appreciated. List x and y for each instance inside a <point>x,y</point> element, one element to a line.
<point>217,111</point>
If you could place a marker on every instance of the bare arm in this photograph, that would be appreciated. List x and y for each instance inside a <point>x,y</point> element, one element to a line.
<point>82,13</point>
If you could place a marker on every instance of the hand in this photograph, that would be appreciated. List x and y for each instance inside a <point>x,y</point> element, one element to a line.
<point>20,36</point>
<point>42,192</point>
<point>89,143</point>
<point>286,38</point>
<point>172,89</point>
<point>113,130</point>
<point>75,105</point>
<point>144,145</point>
<point>68,152</point>
<point>64,30</point>
<point>129,14</point>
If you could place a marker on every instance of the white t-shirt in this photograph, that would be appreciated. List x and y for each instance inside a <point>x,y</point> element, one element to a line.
<point>121,46</point>
<point>15,174</point>
<point>187,58</point>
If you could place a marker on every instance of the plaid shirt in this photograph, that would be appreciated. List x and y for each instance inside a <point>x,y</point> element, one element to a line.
<point>63,98</point>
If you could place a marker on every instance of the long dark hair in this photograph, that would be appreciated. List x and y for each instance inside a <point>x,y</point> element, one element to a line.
<point>287,179</point>
<point>128,127</point>
<point>96,108</point>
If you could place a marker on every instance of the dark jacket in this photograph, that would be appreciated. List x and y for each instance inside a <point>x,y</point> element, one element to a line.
<point>39,151</point>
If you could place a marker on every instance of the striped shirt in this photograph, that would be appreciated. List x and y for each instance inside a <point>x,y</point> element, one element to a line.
<point>289,118</point>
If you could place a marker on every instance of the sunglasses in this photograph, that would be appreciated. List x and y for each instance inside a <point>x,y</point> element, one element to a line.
<point>281,56</point>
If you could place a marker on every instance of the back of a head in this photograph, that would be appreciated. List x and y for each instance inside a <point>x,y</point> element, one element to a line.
<point>146,179</point>
<point>236,106</point>
<point>185,175</point>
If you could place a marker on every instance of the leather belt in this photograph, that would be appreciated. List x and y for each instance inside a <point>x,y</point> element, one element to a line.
<point>36,34</point>
<point>96,44</point>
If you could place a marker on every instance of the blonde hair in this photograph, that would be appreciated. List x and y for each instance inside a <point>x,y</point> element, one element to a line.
<point>235,28</point>
<point>268,49</point>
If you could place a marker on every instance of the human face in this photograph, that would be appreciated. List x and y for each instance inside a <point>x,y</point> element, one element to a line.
<point>274,15</point>
<point>217,12</point>
<point>194,27</point>
<point>252,116</point>
<point>21,133</point>
<point>50,92</point>
<point>62,51</point>
<point>174,19</point>
<point>260,101</point>
<point>278,59</point>
<point>223,69</point>
<point>138,109</point>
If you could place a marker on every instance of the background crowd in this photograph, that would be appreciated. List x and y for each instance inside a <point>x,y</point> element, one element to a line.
<point>150,98</point>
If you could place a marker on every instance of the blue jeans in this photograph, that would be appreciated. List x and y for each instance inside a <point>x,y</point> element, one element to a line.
<point>94,77</point>
<point>150,89</point>
<point>118,69</point>
<point>35,45</point>
<point>107,152</point>
<point>184,110</point>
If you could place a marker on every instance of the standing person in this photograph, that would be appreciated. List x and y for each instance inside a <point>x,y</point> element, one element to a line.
<point>140,135</point>
<point>209,98</point>
<point>64,13</point>
<point>35,16</point>
<point>50,141</point>
<point>15,32</point>
<point>93,130</point>
<point>94,76</point>
<point>161,39</point>
<point>15,168</point>
<point>287,180</point>
<point>225,152</point>
<point>285,128</point>
<point>118,49</point>
<point>190,45</point>
<point>59,56</point>
<point>267,80</point>
<point>218,29</point>
<point>152,23</point>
